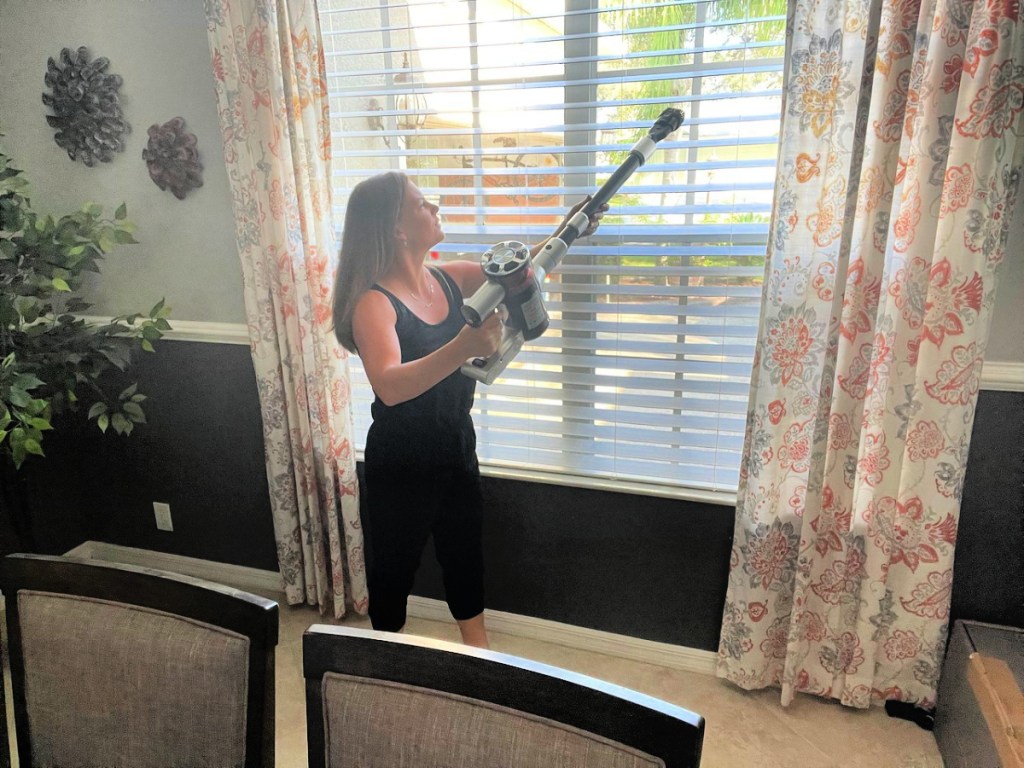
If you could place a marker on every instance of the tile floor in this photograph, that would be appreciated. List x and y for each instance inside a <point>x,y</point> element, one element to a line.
<point>742,728</point>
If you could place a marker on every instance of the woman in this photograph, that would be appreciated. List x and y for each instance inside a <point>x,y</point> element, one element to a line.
<point>402,318</point>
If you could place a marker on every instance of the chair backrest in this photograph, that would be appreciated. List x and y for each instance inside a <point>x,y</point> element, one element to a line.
<point>129,667</point>
<point>376,699</point>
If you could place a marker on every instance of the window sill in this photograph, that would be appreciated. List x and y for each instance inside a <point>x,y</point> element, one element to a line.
<point>721,498</point>
<point>637,488</point>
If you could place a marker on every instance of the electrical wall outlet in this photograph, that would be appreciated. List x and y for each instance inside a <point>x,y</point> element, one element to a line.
<point>163,516</point>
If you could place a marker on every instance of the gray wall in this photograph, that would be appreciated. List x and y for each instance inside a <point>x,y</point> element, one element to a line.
<point>187,249</point>
<point>1006,337</point>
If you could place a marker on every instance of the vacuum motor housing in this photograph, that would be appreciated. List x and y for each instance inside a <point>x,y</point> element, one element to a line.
<point>508,264</point>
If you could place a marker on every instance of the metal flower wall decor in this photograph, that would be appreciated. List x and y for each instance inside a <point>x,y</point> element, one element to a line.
<point>86,105</point>
<point>172,158</point>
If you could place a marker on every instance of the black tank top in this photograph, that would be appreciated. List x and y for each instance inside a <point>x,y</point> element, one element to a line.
<point>435,428</point>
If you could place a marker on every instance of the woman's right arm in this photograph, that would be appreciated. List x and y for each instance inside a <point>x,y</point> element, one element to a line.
<point>373,325</point>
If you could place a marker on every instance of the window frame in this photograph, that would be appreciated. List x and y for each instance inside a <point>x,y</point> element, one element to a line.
<point>582,67</point>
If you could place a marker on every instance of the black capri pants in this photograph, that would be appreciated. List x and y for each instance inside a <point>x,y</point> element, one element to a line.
<point>404,508</point>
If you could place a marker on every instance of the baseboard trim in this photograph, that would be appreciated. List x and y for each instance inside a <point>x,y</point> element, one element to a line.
<point>579,638</point>
<point>238,576</point>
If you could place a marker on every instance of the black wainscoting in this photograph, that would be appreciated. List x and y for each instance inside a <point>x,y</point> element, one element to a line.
<point>62,493</point>
<point>988,571</point>
<point>201,452</point>
<point>635,565</point>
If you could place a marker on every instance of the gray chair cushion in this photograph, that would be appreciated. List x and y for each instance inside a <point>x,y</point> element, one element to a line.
<point>381,724</point>
<point>114,685</point>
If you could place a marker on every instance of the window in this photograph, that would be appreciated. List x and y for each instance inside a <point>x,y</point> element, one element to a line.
<point>507,113</point>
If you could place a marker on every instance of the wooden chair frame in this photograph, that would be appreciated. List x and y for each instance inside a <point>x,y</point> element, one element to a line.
<point>246,614</point>
<point>655,727</point>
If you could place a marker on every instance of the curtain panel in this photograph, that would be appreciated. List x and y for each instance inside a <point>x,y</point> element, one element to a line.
<point>271,89</point>
<point>900,160</point>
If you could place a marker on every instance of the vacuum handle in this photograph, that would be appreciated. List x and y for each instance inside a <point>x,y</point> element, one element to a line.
<point>486,370</point>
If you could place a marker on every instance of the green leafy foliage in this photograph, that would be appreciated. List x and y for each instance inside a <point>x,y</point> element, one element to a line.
<point>52,359</point>
<point>688,36</point>
<point>723,48</point>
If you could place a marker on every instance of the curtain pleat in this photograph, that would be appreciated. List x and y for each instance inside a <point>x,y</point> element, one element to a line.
<point>272,99</point>
<point>900,163</point>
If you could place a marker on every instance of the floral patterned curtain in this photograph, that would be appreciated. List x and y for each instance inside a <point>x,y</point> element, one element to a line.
<point>272,97</point>
<point>900,160</point>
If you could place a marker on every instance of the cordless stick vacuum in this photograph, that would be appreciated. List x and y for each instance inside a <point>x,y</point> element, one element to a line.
<point>514,279</point>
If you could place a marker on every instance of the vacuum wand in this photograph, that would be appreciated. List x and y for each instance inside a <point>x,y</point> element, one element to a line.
<point>667,122</point>
<point>514,279</point>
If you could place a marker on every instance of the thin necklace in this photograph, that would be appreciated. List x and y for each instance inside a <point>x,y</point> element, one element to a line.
<point>430,290</point>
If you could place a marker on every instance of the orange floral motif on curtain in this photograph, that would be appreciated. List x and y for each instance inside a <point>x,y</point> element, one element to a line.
<point>900,164</point>
<point>268,66</point>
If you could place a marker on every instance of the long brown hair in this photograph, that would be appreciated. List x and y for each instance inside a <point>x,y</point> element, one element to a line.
<point>367,245</point>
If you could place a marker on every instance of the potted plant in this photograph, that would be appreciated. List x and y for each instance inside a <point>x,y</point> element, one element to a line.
<point>52,360</point>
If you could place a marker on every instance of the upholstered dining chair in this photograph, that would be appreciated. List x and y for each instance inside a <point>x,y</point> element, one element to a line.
<point>125,667</point>
<point>384,700</point>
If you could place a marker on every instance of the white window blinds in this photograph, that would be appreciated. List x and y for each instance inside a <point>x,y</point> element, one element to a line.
<point>506,113</point>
